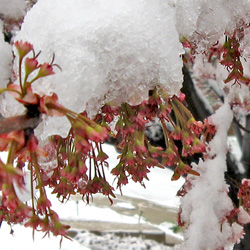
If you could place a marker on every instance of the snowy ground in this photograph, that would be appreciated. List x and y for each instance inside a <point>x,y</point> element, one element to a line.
<point>159,190</point>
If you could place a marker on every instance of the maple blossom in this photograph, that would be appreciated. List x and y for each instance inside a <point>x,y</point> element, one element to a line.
<point>81,160</point>
<point>131,90</point>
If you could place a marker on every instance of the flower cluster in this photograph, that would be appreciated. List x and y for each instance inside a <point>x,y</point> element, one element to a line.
<point>137,154</point>
<point>178,124</point>
<point>70,176</point>
<point>81,162</point>
<point>241,214</point>
<point>231,60</point>
<point>190,48</point>
<point>22,146</point>
<point>81,166</point>
<point>229,55</point>
<point>244,194</point>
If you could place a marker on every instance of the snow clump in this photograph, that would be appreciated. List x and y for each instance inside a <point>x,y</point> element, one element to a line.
<point>206,205</point>
<point>12,9</point>
<point>6,59</point>
<point>205,22</point>
<point>114,51</point>
<point>109,51</point>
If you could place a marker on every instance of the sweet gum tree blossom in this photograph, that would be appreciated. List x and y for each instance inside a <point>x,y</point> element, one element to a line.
<point>118,72</point>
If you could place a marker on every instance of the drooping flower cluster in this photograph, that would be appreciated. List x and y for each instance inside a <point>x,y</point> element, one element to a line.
<point>178,124</point>
<point>241,214</point>
<point>231,59</point>
<point>81,162</point>
<point>23,147</point>
<point>227,53</point>
<point>244,194</point>
<point>81,165</point>
<point>225,65</point>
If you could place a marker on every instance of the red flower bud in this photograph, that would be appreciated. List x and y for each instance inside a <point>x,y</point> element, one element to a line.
<point>45,70</point>
<point>30,65</point>
<point>23,48</point>
<point>45,101</point>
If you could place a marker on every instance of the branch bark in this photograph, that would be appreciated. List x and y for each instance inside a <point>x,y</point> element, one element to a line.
<point>18,123</point>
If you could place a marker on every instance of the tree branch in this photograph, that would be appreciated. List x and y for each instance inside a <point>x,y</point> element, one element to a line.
<point>240,126</point>
<point>18,123</point>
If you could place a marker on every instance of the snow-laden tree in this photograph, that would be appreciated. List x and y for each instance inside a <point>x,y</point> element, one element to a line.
<point>76,73</point>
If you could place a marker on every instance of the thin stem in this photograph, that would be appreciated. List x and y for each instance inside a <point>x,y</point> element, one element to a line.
<point>69,113</point>
<point>168,139</point>
<point>11,90</point>
<point>29,83</point>
<point>37,170</point>
<point>32,189</point>
<point>20,74</point>
<point>165,132</point>
<point>90,166</point>
<point>10,160</point>
<point>95,163</point>
<point>179,116</point>
<point>12,152</point>
<point>183,107</point>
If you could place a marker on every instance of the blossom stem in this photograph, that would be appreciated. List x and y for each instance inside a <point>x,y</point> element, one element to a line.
<point>20,74</point>
<point>27,84</point>
<point>165,132</point>
<point>9,89</point>
<point>69,113</point>
<point>188,113</point>
<point>90,163</point>
<point>32,189</point>
<point>101,163</point>
<point>12,152</point>
<point>181,119</point>
<point>37,170</point>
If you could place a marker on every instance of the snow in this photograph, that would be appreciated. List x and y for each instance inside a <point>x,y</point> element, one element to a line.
<point>115,46</point>
<point>51,126</point>
<point>105,50</point>
<point>125,205</point>
<point>71,212</point>
<point>234,147</point>
<point>112,242</point>
<point>6,59</point>
<point>205,22</point>
<point>206,204</point>
<point>14,9</point>
<point>243,216</point>
<point>22,239</point>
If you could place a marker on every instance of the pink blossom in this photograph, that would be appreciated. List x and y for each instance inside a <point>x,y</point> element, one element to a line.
<point>45,70</point>
<point>23,48</point>
<point>30,65</point>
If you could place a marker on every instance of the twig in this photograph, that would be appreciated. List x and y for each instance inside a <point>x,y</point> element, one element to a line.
<point>240,126</point>
<point>18,123</point>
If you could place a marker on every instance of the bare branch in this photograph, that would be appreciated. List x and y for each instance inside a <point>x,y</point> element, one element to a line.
<point>18,123</point>
<point>240,126</point>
